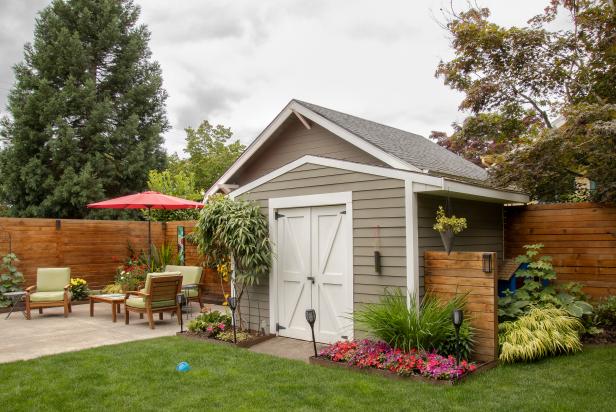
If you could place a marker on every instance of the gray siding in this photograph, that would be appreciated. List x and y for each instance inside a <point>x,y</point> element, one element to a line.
<point>376,201</point>
<point>293,141</point>
<point>484,232</point>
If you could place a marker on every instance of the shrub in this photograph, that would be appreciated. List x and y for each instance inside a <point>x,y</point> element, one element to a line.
<point>540,333</point>
<point>426,325</point>
<point>538,271</point>
<point>605,313</point>
<point>79,289</point>
<point>11,280</point>
<point>211,323</point>
<point>377,354</point>
<point>449,345</point>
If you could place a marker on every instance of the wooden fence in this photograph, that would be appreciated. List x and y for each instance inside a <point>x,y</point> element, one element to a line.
<point>462,273</point>
<point>93,249</point>
<point>580,237</point>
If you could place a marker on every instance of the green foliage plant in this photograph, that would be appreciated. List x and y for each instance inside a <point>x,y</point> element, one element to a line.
<point>87,112</point>
<point>162,256</point>
<point>445,223</point>
<point>236,228</point>
<point>178,183</point>
<point>11,279</point>
<point>533,293</point>
<point>539,333</point>
<point>422,325</point>
<point>605,313</point>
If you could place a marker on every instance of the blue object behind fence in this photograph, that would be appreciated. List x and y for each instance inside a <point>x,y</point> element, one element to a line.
<point>182,367</point>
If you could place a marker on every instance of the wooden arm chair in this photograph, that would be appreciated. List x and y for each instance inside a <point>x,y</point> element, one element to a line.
<point>51,290</point>
<point>191,275</point>
<point>158,296</point>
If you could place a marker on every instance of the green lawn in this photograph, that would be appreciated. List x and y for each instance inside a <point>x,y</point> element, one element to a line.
<point>141,376</point>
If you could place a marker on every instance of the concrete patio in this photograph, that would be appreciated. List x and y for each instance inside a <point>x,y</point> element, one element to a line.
<point>51,333</point>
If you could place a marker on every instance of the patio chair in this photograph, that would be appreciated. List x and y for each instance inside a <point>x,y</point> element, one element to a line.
<point>51,290</point>
<point>158,296</point>
<point>191,275</point>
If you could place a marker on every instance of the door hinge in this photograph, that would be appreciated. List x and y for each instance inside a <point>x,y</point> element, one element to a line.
<point>344,337</point>
<point>279,327</point>
<point>277,215</point>
<point>343,212</point>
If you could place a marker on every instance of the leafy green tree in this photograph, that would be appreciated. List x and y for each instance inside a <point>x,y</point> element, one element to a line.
<point>87,111</point>
<point>175,183</point>
<point>516,81</point>
<point>210,152</point>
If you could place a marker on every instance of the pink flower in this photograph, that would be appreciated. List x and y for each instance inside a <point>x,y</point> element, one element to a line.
<point>221,326</point>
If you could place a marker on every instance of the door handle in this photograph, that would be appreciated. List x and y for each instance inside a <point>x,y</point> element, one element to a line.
<point>311,278</point>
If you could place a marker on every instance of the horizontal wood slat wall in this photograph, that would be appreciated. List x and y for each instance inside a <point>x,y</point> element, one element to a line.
<point>580,237</point>
<point>88,247</point>
<point>461,273</point>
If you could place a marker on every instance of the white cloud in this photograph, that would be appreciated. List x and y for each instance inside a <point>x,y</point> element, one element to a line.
<point>239,62</point>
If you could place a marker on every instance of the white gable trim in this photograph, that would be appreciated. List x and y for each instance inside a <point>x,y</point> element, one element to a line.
<point>422,182</point>
<point>294,108</point>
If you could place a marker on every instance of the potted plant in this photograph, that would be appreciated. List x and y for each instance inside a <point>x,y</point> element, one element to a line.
<point>448,227</point>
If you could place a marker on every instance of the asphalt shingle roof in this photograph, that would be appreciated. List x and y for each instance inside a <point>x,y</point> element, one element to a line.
<point>409,147</point>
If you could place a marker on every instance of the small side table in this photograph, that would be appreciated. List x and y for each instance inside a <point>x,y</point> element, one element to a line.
<point>17,299</point>
<point>115,299</point>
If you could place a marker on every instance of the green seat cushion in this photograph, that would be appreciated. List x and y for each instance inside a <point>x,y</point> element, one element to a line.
<point>47,296</point>
<point>139,302</point>
<point>191,293</point>
<point>191,275</point>
<point>52,279</point>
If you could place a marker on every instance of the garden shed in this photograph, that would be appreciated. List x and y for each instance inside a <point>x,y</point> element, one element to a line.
<point>351,204</point>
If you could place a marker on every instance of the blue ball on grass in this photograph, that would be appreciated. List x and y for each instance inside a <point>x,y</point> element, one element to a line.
<point>182,367</point>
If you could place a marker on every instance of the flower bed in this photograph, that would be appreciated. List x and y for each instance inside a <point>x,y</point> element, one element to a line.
<point>379,356</point>
<point>216,327</point>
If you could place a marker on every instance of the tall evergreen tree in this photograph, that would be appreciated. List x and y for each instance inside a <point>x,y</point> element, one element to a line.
<point>87,111</point>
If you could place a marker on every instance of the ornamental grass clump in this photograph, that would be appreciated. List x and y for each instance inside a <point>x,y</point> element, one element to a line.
<point>542,332</point>
<point>424,325</point>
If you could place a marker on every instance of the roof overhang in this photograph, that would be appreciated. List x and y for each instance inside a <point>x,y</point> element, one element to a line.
<point>421,182</point>
<point>294,108</point>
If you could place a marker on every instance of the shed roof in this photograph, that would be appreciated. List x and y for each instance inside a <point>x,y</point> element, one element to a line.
<point>410,147</point>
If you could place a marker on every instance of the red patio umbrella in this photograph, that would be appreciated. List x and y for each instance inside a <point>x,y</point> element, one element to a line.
<point>147,200</point>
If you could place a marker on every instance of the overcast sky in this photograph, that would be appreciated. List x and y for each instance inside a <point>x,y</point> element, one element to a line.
<point>239,62</point>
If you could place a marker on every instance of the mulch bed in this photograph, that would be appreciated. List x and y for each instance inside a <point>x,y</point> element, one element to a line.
<point>253,340</point>
<point>608,336</point>
<point>482,367</point>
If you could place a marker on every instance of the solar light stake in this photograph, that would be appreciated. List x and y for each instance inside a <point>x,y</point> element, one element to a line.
<point>311,317</point>
<point>232,302</point>
<point>180,298</point>
<point>457,318</point>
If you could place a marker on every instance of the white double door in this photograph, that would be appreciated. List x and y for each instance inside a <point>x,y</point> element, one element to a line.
<point>313,272</point>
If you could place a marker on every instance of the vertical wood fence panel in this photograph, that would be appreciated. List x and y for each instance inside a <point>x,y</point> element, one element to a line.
<point>462,273</point>
<point>580,237</point>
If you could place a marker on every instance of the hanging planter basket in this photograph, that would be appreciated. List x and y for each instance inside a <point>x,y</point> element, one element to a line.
<point>448,237</point>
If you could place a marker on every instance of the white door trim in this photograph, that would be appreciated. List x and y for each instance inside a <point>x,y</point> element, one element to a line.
<point>324,199</point>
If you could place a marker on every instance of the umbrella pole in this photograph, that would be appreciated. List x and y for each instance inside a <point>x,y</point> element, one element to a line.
<point>149,239</point>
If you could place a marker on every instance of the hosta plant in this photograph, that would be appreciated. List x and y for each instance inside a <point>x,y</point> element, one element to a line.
<point>541,332</point>
<point>538,289</point>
